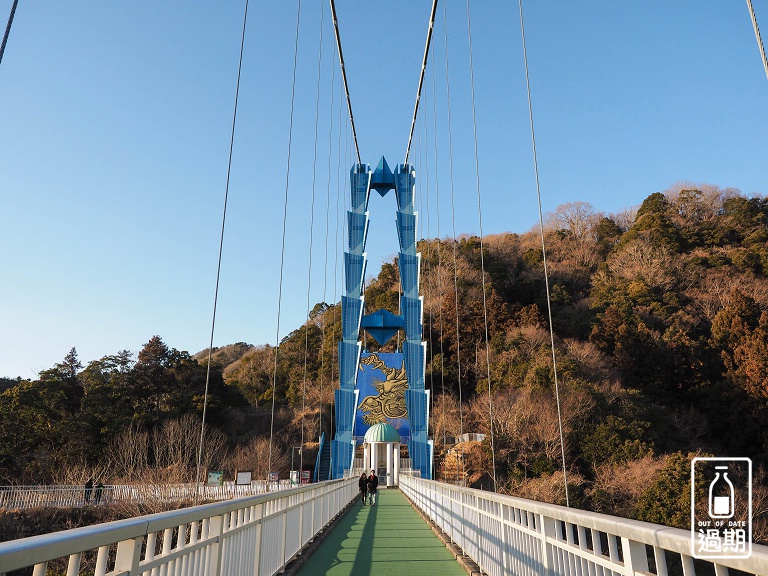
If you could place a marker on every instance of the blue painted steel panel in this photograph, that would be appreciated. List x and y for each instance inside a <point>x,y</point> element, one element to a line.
<point>405,178</point>
<point>416,404</point>
<point>358,231</point>
<point>421,457</point>
<point>341,457</point>
<point>382,179</point>
<point>382,325</point>
<point>415,363</point>
<point>413,316</point>
<point>349,355</point>
<point>351,311</point>
<point>409,273</point>
<point>406,232</point>
<point>354,272</point>
<point>360,177</point>
<point>346,402</point>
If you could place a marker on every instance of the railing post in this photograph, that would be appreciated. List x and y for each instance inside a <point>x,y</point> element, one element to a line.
<point>635,557</point>
<point>128,556</point>
<point>101,561</point>
<point>661,561</point>
<point>285,535</point>
<point>215,529</point>
<point>301,521</point>
<point>505,563</point>
<point>73,566</point>
<point>258,512</point>
<point>548,530</point>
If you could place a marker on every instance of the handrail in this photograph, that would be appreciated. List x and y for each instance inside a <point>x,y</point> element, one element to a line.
<point>505,534</point>
<point>254,535</point>
<point>59,496</point>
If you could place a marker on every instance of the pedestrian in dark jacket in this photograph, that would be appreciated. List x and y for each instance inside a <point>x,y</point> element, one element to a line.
<point>88,490</point>
<point>363,485</point>
<point>373,484</point>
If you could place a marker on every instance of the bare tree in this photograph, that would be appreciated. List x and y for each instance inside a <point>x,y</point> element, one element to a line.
<point>175,446</point>
<point>444,418</point>
<point>129,453</point>
<point>254,456</point>
<point>547,488</point>
<point>657,267</point>
<point>625,218</point>
<point>617,487</point>
<point>79,472</point>
<point>576,218</point>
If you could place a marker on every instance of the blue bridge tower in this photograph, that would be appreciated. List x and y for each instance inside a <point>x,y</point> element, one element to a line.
<point>382,325</point>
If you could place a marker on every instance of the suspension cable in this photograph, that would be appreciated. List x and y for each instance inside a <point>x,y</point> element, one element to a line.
<point>282,248</point>
<point>311,236</point>
<point>338,248</point>
<point>482,250</point>
<point>544,253</point>
<point>221,247</point>
<point>439,255</point>
<point>327,228</point>
<point>344,76</point>
<point>430,288</point>
<point>453,218</point>
<point>8,29</point>
<point>757,35</point>
<point>421,76</point>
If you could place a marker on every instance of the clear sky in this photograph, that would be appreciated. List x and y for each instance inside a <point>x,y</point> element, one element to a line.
<point>115,122</point>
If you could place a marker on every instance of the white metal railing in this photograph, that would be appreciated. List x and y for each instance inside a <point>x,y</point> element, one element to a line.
<point>256,535</point>
<point>507,535</point>
<point>16,497</point>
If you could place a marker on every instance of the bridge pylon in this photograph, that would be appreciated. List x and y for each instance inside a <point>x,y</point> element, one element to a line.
<point>382,325</point>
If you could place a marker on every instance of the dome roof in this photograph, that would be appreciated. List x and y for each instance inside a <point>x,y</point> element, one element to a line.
<point>381,432</point>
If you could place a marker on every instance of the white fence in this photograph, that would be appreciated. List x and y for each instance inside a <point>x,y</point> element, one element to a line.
<point>507,535</point>
<point>256,535</point>
<point>16,497</point>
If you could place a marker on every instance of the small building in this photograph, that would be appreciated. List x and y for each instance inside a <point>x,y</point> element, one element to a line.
<point>381,452</point>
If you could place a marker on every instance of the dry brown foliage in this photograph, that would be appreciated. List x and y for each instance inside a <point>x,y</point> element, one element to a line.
<point>548,488</point>
<point>617,487</point>
<point>254,456</point>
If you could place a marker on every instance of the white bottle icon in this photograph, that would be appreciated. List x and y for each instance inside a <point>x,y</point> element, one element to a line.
<point>721,495</point>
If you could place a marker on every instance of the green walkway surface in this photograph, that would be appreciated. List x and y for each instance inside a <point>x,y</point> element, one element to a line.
<point>390,539</point>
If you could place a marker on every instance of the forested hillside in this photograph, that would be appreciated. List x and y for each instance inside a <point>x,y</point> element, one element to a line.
<point>660,318</point>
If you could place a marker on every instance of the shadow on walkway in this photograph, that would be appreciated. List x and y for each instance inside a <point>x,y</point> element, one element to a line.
<point>387,539</point>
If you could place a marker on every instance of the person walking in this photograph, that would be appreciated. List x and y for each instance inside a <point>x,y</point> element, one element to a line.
<point>373,485</point>
<point>88,490</point>
<point>362,484</point>
<point>99,489</point>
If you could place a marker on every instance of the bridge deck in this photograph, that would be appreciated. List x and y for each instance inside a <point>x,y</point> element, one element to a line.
<point>389,538</point>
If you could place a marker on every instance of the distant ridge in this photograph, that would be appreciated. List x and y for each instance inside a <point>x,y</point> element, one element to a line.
<point>225,356</point>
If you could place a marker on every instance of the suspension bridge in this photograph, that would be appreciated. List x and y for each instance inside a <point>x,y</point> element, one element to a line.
<point>419,525</point>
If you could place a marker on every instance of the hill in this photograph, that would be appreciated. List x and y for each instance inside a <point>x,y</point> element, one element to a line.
<point>660,320</point>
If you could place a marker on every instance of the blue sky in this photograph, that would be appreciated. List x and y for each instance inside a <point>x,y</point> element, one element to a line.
<point>115,121</point>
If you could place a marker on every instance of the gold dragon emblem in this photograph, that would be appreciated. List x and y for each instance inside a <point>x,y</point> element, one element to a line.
<point>390,400</point>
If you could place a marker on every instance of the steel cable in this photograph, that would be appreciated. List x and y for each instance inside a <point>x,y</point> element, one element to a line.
<point>544,253</point>
<point>424,61</point>
<point>311,238</point>
<point>282,247</point>
<point>221,248</point>
<point>8,29</point>
<point>344,76</point>
<point>757,35</point>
